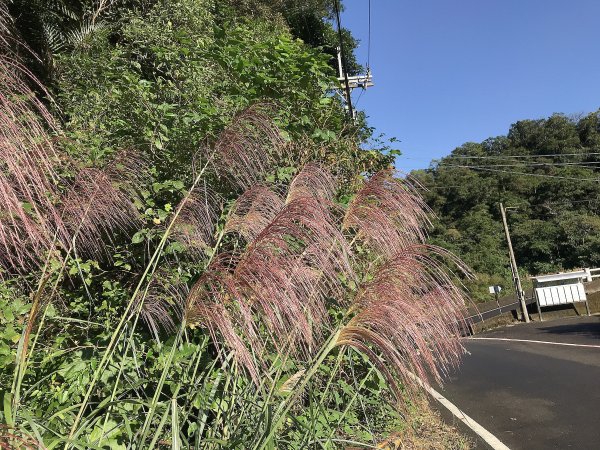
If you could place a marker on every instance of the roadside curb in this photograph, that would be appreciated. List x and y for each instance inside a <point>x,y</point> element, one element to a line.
<point>475,428</point>
<point>451,419</point>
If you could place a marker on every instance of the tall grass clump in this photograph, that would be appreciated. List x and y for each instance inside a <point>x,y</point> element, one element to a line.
<point>257,312</point>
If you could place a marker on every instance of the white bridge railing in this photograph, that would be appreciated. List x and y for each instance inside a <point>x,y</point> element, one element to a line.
<point>593,273</point>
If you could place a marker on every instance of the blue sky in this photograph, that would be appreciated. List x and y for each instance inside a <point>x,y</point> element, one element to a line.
<point>453,71</point>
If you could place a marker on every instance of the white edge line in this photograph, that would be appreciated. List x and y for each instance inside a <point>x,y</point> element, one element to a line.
<point>531,340</point>
<point>484,434</point>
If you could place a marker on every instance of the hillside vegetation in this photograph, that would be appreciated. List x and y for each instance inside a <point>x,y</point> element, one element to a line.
<point>195,249</point>
<point>548,170</point>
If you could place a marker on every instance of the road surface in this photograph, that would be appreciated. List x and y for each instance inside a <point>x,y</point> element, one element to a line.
<point>534,395</point>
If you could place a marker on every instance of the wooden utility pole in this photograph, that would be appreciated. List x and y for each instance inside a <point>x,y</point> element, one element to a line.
<point>513,267</point>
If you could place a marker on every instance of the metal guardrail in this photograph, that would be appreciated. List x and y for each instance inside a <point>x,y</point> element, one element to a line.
<point>481,316</point>
<point>491,313</point>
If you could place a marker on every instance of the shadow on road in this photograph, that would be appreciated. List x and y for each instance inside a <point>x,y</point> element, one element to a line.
<point>590,330</point>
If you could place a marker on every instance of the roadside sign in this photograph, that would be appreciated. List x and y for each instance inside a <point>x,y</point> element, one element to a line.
<point>495,289</point>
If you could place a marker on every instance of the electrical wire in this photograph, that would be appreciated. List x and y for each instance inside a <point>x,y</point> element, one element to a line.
<point>505,158</point>
<point>487,169</point>
<point>368,66</point>
<point>369,41</point>
<point>536,164</point>
<point>453,186</point>
<point>362,91</point>
<point>550,155</point>
<point>589,200</point>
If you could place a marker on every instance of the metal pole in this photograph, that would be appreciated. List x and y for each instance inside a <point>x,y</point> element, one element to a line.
<point>513,266</point>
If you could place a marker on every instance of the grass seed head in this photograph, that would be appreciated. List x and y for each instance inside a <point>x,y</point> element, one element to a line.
<point>248,147</point>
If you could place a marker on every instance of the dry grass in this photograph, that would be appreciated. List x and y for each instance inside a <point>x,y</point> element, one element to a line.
<point>425,430</point>
<point>13,439</point>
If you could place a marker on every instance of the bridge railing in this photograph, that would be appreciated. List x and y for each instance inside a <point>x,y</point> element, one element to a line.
<point>593,273</point>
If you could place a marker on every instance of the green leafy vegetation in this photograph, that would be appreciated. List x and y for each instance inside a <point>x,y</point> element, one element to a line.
<point>196,250</point>
<point>548,171</point>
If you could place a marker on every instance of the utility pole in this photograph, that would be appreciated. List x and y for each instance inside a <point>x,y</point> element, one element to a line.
<point>513,267</point>
<point>342,60</point>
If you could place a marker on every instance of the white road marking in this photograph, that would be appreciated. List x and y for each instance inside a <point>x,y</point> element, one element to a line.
<point>533,341</point>
<point>484,434</point>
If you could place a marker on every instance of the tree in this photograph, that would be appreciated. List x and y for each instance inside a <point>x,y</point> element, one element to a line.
<point>545,168</point>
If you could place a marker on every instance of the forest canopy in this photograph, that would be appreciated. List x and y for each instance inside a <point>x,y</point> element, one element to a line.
<point>548,171</point>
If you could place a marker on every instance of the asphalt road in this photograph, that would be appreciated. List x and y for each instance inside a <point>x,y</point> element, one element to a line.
<point>534,395</point>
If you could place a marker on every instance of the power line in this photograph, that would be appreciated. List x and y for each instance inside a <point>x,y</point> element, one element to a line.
<point>589,200</point>
<point>542,203</point>
<point>535,164</point>
<point>369,41</point>
<point>501,158</point>
<point>550,155</point>
<point>362,91</point>
<point>368,67</point>
<point>551,203</point>
<point>523,173</point>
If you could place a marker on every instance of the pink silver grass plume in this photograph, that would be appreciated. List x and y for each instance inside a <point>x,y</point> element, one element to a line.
<point>409,314</point>
<point>312,180</point>
<point>99,204</point>
<point>307,235</point>
<point>13,439</point>
<point>282,280</point>
<point>163,305</point>
<point>195,226</point>
<point>406,319</point>
<point>247,148</point>
<point>22,241</point>
<point>35,215</point>
<point>388,214</point>
<point>5,25</point>
<point>28,176</point>
<point>213,304</point>
<point>253,211</point>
